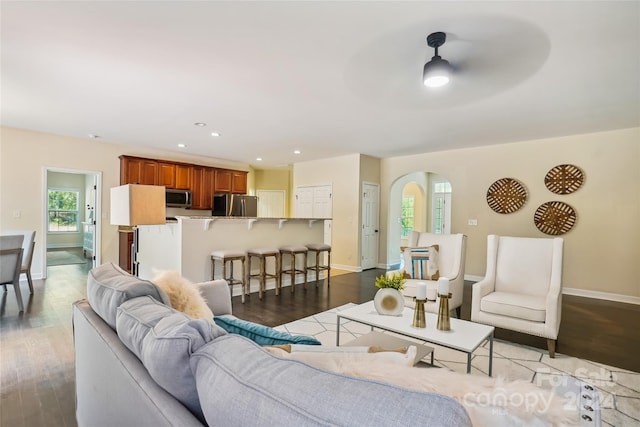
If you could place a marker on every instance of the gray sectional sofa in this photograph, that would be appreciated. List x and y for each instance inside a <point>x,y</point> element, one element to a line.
<point>139,362</point>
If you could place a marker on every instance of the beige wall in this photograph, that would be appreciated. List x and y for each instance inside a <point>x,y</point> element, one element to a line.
<point>342,173</point>
<point>275,179</point>
<point>601,252</point>
<point>369,169</point>
<point>23,157</point>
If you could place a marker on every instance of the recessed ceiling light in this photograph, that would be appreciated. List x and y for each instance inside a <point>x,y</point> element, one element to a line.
<point>296,151</point>
<point>181,145</point>
<point>215,134</point>
<point>200,124</point>
<point>259,159</point>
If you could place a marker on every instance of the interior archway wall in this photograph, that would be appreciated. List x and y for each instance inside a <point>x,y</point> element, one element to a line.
<point>422,180</point>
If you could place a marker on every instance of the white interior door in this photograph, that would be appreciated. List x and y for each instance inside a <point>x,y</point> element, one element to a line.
<point>370,225</point>
<point>322,202</point>
<point>314,202</point>
<point>271,203</point>
<point>304,202</point>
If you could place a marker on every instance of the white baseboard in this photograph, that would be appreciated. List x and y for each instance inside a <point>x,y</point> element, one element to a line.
<point>601,295</point>
<point>347,268</point>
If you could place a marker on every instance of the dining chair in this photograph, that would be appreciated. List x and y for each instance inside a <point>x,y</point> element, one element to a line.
<point>28,245</point>
<point>10,264</point>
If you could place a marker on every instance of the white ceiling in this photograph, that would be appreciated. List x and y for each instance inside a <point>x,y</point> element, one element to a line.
<point>328,78</point>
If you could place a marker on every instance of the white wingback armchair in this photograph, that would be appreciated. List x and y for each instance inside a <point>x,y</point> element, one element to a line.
<point>522,289</point>
<point>451,260</point>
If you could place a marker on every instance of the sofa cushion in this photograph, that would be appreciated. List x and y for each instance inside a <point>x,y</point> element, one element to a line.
<point>108,286</point>
<point>520,306</point>
<point>183,294</point>
<point>164,339</point>
<point>241,384</point>
<point>260,334</point>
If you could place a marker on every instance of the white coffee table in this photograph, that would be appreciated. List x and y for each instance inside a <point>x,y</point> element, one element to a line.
<point>464,336</point>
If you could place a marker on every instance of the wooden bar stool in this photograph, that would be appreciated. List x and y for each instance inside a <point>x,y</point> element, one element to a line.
<point>263,254</point>
<point>318,248</point>
<point>292,251</point>
<point>229,256</point>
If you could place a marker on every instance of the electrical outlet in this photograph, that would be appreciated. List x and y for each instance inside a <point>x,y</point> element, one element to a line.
<point>473,222</point>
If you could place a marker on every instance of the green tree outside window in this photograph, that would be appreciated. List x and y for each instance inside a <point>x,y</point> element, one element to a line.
<point>63,210</point>
<point>406,221</point>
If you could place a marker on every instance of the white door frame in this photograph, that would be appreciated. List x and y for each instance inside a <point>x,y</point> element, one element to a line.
<point>97,216</point>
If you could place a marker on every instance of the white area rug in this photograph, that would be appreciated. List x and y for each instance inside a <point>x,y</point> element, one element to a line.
<point>619,389</point>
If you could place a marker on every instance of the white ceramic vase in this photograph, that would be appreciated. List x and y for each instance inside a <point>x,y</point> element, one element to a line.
<point>389,302</point>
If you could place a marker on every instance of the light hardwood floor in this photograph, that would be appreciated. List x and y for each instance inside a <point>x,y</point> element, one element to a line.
<point>36,348</point>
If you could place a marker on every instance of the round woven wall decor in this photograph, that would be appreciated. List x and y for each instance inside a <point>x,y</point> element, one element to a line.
<point>564,179</point>
<point>506,195</point>
<point>554,218</point>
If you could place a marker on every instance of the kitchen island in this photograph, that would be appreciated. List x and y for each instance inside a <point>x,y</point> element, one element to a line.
<point>185,245</point>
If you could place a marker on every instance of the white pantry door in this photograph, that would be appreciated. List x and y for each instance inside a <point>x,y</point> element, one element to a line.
<point>370,225</point>
<point>271,203</point>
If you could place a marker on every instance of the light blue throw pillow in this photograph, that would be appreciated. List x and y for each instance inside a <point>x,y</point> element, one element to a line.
<point>164,339</point>
<point>108,286</point>
<point>260,334</point>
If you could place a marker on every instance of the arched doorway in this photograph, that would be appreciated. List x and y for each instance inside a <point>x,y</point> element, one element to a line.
<point>419,201</point>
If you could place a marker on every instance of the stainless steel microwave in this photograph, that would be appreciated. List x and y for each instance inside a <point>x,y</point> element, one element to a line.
<point>178,198</point>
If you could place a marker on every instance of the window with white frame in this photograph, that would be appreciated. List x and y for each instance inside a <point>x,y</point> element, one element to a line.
<point>408,213</point>
<point>63,208</point>
<point>441,207</point>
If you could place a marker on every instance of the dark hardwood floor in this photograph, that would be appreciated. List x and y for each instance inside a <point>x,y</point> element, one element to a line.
<point>36,348</point>
<point>601,331</point>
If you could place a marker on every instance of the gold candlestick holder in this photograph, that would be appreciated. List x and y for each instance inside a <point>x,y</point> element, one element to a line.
<point>419,320</point>
<point>444,318</point>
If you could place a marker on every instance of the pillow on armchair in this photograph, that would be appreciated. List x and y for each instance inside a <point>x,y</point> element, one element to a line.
<point>422,262</point>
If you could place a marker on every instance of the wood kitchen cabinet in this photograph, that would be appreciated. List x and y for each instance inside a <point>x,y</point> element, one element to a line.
<point>166,174</point>
<point>125,242</point>
<point>223,181</point>
<point>230,181</point>
<point>135,170</point>
<point>184,177</point>
<point>203,181</point>
<point>202,178</point>
<point>174,175</point>
<point>239,182</point>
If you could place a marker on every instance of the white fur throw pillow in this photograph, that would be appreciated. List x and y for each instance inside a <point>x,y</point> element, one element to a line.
<point>184,296</point>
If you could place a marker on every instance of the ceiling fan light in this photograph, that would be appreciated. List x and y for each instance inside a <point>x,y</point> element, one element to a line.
<point>436,72</point>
